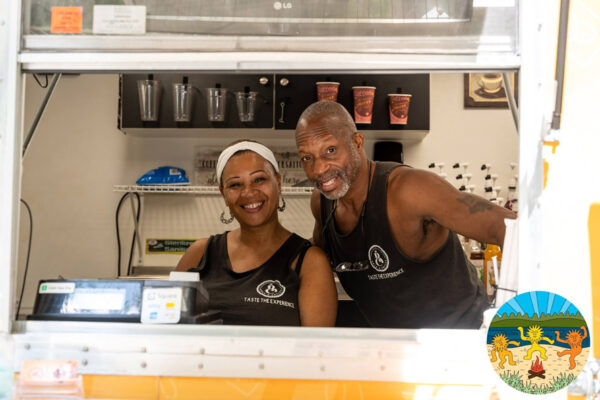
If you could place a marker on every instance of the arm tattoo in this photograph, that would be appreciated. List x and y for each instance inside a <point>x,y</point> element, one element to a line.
<point>475,205</point>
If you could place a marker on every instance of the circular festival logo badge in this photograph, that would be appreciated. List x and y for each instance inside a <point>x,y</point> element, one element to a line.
<point>538,342</point>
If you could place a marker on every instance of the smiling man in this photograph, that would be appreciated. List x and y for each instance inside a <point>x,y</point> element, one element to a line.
<point>390,230</point>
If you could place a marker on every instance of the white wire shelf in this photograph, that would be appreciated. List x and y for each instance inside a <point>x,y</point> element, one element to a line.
<point>187,189</point>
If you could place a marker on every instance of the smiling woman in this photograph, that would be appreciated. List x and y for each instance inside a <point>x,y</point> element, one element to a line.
<point>260,273</point>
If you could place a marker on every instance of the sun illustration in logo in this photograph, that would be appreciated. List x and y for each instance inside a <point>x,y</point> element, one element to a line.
<point>574,340</point>
<point>500,345</point>
<point>534,335</point>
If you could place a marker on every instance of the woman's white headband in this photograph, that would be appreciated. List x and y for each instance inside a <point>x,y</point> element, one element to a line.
<point>258,148</point>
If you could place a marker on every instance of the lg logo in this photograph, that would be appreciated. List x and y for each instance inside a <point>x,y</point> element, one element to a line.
<point>278,5</point>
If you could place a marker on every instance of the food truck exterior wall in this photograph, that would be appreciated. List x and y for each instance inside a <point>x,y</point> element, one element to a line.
<point>538,23</point>
<point>11,102</point>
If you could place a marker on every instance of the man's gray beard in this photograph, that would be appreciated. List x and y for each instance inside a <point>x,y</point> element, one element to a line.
<point>341,193</point>
<point>346,178</point>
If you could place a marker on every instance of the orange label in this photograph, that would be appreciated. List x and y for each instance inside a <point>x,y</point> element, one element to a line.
<point>66,20</point>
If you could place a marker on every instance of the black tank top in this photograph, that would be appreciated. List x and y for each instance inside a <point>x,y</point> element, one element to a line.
<point>396,291</point>
<point>267,295</point>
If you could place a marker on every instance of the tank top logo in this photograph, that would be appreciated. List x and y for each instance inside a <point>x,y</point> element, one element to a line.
<point>271,289</point>
<point>378,258</point>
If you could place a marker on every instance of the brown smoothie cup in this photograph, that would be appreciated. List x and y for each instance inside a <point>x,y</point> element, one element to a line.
<point>327,91</point>
<point>399,108</point>
<point>364,97</point>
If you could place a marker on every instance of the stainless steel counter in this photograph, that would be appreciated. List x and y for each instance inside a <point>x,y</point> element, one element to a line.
<point>435,356</point>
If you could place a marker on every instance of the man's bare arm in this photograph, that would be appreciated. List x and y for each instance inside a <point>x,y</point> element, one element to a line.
<point>315,207</point>
<point>431,197</point>
<point>490,215</point>
<point>474,204</point>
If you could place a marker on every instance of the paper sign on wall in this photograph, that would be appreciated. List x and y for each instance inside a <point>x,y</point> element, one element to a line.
<point>66,20</point>
<point>119,20</point>
<point>161,305</point>
<point>168,246</point>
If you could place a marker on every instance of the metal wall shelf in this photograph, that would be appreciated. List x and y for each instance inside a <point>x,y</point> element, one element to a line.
<point>261,61</point>
<point>405,135</point>
<point>200,190</point>
<point>209,204</point>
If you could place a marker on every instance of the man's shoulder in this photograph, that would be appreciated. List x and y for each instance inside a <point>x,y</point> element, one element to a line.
<point>400,177</point>
<point>409,185</point>
<point>412,176</point>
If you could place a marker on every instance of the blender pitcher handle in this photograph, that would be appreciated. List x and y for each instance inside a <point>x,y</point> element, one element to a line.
<point>282,105</point>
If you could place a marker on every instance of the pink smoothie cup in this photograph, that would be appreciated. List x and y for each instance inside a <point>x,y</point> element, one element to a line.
<point>364,97</point>
<point>327,91</point>
<point>399,108</point>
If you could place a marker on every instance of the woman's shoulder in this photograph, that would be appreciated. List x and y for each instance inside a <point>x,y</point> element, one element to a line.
<point>316,255</point>
<point>299,239</point>
<point>199,245</point>
<point>315,266</point>
<point>313,256</point>
<point>192,256</point>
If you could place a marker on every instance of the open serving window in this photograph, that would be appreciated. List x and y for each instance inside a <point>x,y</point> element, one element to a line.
<point>92,144</point>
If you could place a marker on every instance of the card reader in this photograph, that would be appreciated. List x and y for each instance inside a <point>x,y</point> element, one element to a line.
<point>110,300</point>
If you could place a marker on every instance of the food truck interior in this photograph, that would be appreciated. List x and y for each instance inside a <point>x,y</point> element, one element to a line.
<point>91,146</point>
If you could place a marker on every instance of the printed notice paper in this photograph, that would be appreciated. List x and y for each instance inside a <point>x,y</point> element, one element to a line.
<point>119,20</point>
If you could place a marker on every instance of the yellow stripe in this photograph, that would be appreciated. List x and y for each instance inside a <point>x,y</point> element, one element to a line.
<point>121,387</point>
<point>594,231</point>
<point>178,388</point>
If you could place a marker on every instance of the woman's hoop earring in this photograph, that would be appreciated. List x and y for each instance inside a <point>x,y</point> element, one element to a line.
<point>226,220</point>
<point>282,206</point>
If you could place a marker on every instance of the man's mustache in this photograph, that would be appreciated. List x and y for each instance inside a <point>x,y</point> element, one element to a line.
<point>324,178</point>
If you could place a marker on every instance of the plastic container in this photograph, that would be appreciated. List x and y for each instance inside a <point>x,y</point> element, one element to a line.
<point>488,266</point>
<point>246,104</point>
<point>216,103</point>
<point>183,100</point>
<point>149,93</point>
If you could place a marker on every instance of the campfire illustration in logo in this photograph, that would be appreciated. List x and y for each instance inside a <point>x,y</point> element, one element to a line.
<point>537,370</point>
<point>500,346</point>
<point>574,340</point>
